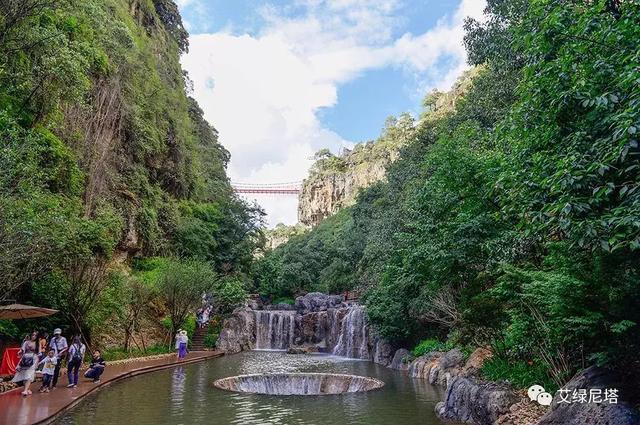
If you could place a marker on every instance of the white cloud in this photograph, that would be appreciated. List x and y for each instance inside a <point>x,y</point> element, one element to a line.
<point>183,3</point>
<point>263,92</point>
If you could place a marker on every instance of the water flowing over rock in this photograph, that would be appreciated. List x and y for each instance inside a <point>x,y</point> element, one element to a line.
<point>354,335</point>
<point>320,328</point>
<point>298,383</point>
<point>323,322</point>
<point>275,330</point>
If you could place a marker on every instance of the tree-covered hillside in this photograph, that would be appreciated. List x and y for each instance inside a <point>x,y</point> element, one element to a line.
<point>104,158</point>
<point>513,221</point>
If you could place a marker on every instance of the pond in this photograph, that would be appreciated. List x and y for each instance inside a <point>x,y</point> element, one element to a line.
<point>186,395</point>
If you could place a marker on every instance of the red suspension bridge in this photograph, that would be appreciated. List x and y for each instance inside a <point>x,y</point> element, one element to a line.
<point>290,188</point>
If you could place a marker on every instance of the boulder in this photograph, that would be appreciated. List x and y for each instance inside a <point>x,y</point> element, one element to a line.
<point>605,413</point>
<point>525,412</point>
<point>401,359</point>
<point>255,302</point>
<point>475,401</point>
<point>437,367</point>
<point>238,332</point>
<point>317,301</point>
<point>477,359</point>
<point>382,352</point>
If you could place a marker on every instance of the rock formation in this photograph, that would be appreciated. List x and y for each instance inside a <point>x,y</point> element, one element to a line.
<point>472,400</point>
<point>603,413</point>
<point>316,321</point>
<point>238,332</point>
<point>323,194</point>
<point>401,359</point>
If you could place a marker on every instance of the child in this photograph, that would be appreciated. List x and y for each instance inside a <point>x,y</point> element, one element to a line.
<point>48,367</point>
<point>96,368</point>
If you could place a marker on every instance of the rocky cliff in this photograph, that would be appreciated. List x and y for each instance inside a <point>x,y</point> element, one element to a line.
<point>335,180</point>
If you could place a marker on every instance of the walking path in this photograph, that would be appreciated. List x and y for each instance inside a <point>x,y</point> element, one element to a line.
<point>44,408</point>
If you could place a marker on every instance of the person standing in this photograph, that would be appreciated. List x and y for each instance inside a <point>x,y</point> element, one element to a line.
<point>182,340</point>
<point>26,370</point>
<point>76,356</point>
<point>42,345</point>
<point>199,314</point>
<point>59,346</point>
<point>48,366</point>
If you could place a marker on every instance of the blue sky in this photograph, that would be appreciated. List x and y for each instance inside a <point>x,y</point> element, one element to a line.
<point>281,79</point>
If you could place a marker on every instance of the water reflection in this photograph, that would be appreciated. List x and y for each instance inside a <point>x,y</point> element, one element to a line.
<point>178,381</point>
<point>186,395</point>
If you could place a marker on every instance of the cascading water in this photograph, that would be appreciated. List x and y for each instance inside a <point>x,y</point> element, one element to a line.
<point>354,335</point>
<point>342,331</point>
<point>274,329</point>
<point>299,383</point>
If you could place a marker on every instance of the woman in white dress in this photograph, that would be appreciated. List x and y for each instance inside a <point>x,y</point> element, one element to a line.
<point>26,370</point>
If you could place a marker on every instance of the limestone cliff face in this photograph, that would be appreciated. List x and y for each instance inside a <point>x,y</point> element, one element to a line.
<point>324,194</point>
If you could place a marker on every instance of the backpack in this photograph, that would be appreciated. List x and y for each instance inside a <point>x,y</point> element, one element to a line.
<point>77,355</point>
<point>26,361</point>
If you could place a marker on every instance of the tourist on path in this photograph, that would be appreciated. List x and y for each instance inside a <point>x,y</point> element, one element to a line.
<point>42,345</point>
<point>59,346</point>
<point>199,316</point>
<point>48,367</point>
<point>181,344</point>
<point>76,356</point>
<point>96,368</point>
<point>26,370</point>
<point>205,316</point>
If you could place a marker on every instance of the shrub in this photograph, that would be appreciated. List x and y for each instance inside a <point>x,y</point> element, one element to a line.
<point>521,374</point>
<point>428,345</point>
<point>284,300</point>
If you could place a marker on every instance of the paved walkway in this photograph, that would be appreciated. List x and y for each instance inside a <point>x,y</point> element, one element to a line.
<point>43,408</point>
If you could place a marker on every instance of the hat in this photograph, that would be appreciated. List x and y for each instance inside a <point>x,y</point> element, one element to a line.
<point>57,331</point>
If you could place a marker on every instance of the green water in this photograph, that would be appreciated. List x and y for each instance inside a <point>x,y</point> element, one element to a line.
<point>186,395</point>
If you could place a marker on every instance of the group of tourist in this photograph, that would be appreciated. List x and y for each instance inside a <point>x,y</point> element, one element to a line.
<point>38,352</point>
<point>202,316</point>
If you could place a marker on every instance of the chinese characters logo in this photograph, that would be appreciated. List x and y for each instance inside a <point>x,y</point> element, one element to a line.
<point>592,395</point>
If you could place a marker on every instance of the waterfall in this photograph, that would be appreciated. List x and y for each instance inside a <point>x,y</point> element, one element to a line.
<point>353,340</point>
<point>274,329</point>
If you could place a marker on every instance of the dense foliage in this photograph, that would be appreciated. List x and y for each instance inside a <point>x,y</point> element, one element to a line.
<point>104,157</point>
<point>513,221</point>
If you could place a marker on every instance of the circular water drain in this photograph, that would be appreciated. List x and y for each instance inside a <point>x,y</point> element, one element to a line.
<point>298,383</point>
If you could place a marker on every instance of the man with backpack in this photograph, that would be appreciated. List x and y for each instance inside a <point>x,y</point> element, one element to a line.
<point>59,346</point>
